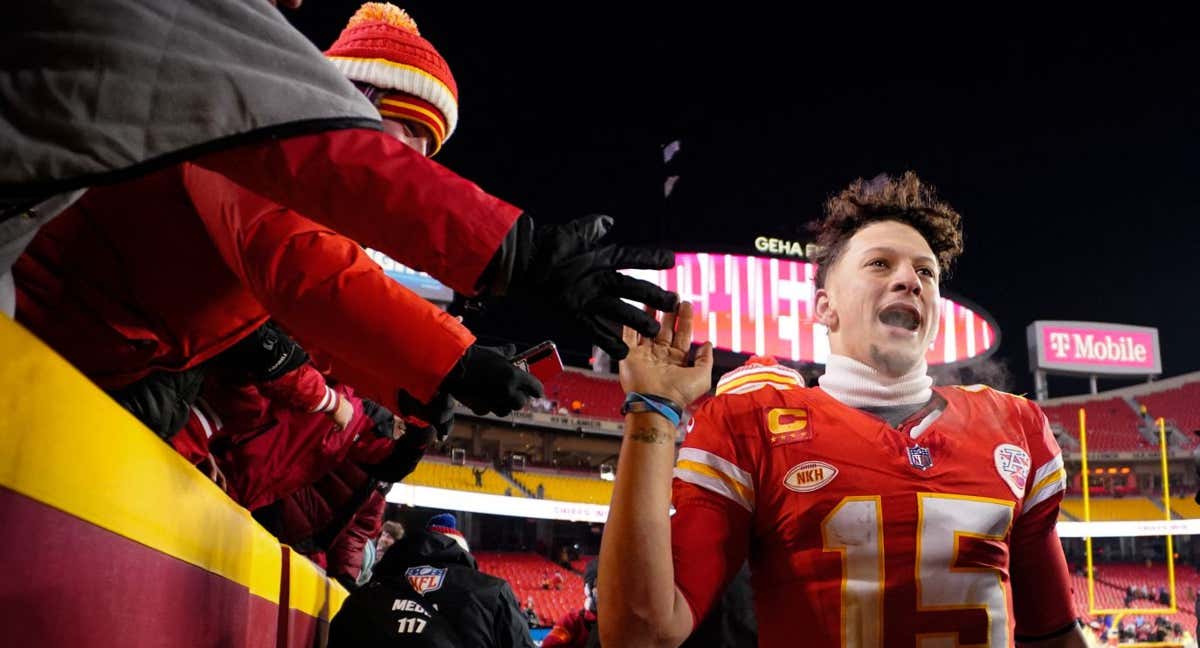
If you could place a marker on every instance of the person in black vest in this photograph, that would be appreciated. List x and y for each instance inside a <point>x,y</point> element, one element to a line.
<point>428,591</point>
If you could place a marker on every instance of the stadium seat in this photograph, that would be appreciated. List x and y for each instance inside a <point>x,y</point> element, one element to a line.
<point>1111,424</point>
<point>600,394</point>
<point>437,474</point>
<point>1109,508</point>
<point>526,572</point>
<point>1185,507</point>
<point>1112,581</point>
<point>568,488</point>
<point>1180,405</point>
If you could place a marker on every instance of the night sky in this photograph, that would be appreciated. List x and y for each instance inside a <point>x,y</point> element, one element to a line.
<point>1069,143</point>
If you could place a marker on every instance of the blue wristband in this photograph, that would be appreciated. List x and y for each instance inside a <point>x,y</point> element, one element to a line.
<point>638,403</point>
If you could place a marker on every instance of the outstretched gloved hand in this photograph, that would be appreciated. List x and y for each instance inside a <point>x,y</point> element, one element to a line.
<point>568,268</point>
<point>437,414</point>
<point>485,380</point>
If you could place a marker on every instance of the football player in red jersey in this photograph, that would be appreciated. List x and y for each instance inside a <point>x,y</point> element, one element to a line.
<point>876,511</point>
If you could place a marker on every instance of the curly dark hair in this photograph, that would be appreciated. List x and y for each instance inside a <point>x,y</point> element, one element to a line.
<point>883,198</point>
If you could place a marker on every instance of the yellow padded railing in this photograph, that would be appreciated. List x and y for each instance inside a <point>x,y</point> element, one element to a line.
<point>66,445</point>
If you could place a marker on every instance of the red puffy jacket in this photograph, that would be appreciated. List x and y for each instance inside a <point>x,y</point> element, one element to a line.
<point>268,451</point>
<point>331,520</point>
<point>166,271</point>
<point>380,193</point>
<point>344,559</point>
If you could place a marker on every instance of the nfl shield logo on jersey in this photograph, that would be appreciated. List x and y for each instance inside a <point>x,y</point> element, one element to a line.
<point>1013,463</point>
<point>919,458</point>
<point>425,579</point>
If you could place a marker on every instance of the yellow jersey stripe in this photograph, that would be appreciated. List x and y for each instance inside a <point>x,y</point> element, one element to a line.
<point>1045,469</point>
<point>1058,475</point>
<point>719,463</point>
<point>745,494</point>
<point>764,377</point>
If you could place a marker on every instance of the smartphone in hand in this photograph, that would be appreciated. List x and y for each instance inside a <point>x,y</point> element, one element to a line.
<point>542,361</point>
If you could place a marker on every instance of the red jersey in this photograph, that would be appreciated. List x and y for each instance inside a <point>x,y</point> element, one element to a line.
<point>938,532</point>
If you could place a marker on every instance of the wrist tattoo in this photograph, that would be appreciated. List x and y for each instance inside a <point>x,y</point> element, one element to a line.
<point>648,435</point>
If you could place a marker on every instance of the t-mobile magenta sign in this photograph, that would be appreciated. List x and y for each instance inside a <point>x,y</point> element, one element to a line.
<point>1094,348</point>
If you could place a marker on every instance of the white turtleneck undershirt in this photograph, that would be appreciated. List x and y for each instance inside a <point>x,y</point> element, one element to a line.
<point>859,385</point>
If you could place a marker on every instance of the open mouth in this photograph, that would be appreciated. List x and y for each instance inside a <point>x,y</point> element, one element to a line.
<point>902,316</point>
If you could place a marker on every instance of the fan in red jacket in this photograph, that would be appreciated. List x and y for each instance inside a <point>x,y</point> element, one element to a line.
<point>165,272</point>
<point>346,559</point>
<point>332,519</point>
<point>270,418</point>
<point>265,415</point>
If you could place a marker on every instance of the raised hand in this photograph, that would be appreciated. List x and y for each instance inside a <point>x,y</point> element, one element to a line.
<point>660,366</point>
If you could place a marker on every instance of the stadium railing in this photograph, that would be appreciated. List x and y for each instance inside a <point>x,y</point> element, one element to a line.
<point>111,538</point>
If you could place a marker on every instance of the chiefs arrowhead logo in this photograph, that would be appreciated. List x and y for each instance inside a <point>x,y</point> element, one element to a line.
<point>1013,464</point>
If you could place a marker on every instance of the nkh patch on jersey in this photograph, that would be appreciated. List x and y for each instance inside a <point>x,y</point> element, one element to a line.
<point>425,578</point>
<point>1013,464</point>
<point>809,476</point>
<point>919,457</point>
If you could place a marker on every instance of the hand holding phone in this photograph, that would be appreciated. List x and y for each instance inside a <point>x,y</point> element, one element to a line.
<point>542,361</point>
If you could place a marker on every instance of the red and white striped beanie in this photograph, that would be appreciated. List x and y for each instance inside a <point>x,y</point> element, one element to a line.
<point>382,46</point>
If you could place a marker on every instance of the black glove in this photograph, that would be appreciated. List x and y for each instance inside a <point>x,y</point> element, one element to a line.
<point>162,400</point>
<point>485,380</point>
<point>265,354</point>
<point>402,460</point>
<point>566,267</point>
<point>437,415</point>
<point>408,449</point>
<point>382,419</point>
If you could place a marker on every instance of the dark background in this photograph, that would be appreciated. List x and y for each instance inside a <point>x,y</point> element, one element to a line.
<point>1069,143</point>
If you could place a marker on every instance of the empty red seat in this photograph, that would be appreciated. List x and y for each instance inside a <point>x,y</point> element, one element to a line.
<point>525,573</point>
<point>601,396</point>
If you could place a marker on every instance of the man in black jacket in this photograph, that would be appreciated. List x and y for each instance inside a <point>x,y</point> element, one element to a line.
<point>427,591</point>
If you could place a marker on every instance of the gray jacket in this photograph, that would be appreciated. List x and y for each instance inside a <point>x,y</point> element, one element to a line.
<point>99,91</point>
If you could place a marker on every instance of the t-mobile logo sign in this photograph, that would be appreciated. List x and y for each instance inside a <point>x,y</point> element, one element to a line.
<point>1092,347</point>
<point>1061,343</point>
